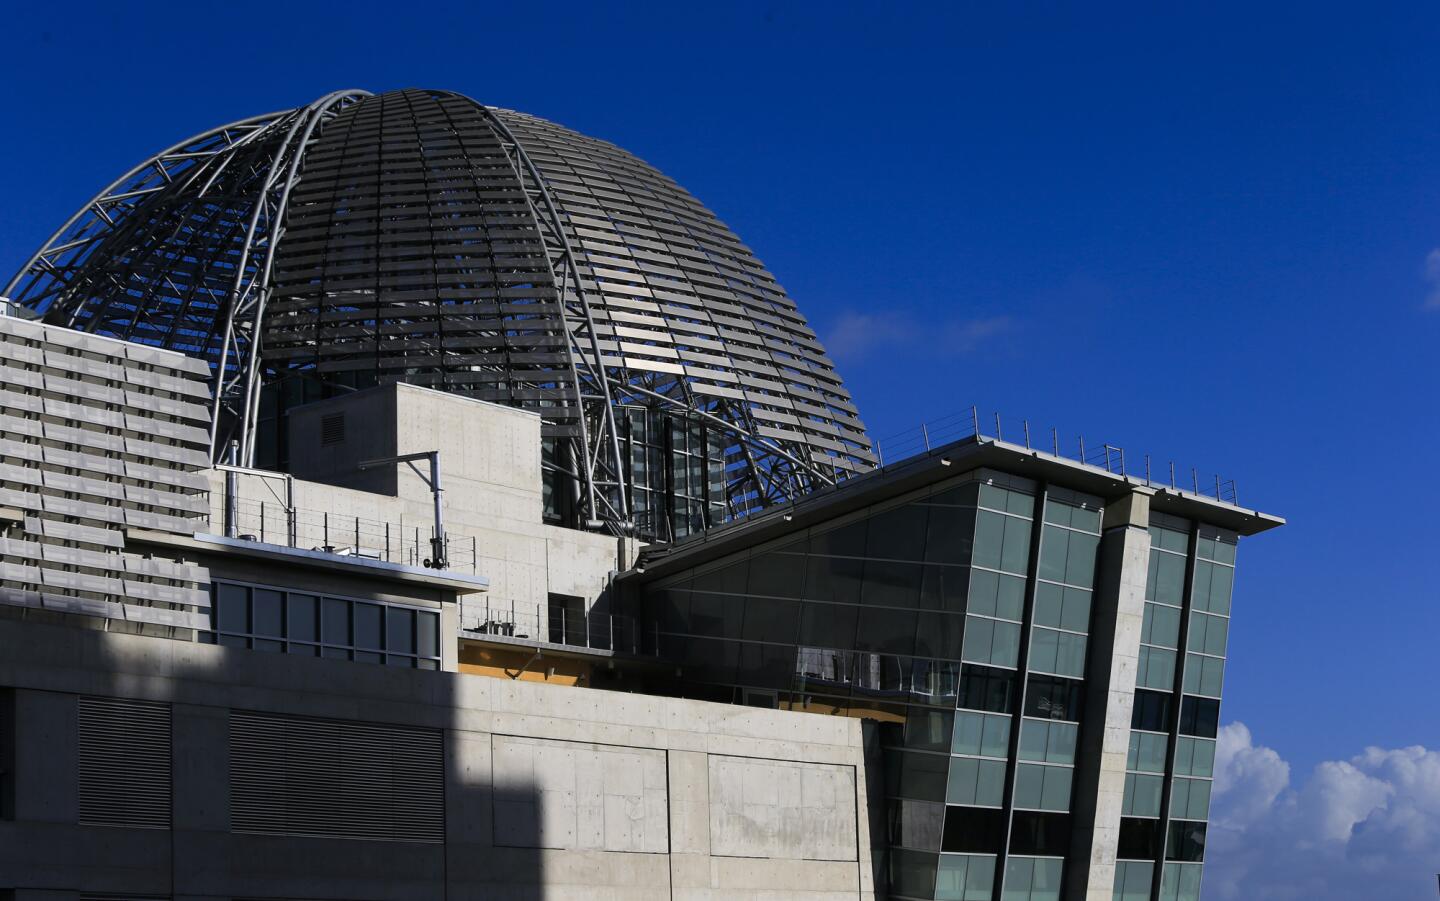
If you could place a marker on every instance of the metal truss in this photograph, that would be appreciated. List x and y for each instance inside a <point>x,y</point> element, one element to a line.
<point>483,252</point>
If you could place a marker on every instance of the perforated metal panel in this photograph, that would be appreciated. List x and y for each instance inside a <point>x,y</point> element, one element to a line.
<point>124,770</point>
<point>335,779</point>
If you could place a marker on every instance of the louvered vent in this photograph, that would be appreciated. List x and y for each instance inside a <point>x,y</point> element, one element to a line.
<point>335,779</point>
<point>124,763</point>
<point>332,428</point>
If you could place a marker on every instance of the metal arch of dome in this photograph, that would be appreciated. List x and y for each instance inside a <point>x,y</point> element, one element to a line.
<point>252,166</point>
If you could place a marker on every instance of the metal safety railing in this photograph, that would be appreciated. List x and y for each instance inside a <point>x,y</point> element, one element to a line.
<point>408,544</point>
<point>1111,458</point>
<point>559,625</point>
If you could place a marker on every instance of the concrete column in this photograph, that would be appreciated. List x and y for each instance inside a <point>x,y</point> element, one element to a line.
<point>1114,659</point>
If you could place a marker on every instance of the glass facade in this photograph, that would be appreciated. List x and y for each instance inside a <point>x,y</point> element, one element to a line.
<point>958,618</point>
<point>264,618</point>
<point>1171,762</point>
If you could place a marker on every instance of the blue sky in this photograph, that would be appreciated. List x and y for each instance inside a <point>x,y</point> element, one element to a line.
<point>1199,234</point>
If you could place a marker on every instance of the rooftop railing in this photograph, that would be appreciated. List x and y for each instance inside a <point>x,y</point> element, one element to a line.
<point>592,630</point>
<point>407,544</point>
<point>1103,456</point>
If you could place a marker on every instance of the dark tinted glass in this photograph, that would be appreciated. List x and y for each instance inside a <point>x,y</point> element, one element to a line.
<point>834,579</point>
<point>951,535</point>
<point>1199,716</point>
<point>232,612</point>
<point>891,584</point>
<point>367,626</point>
<point>983,688</point>
<point>771,619</point>
<point>846,541</point>
<point>886,630</point>
<point>897,534</point>
<point>944,588</point>
<point>921,776</point>
<point>973,830</point>
<point>427,628</point>
<point>1139,839</point>
<point>1033,832</point>
<point>399,630</point>
<point>912,873</point>
<point>1186,842</point>
<point>916,824</point>
<point>938,635</point>
<point>777,575</point>
<point>1151,712</point>
<point>828,626</point>
<point>929,729</point>
<point>268,612</point>
<point>716,615</point>
<point>335,624</point>
<point>1048,697</point>
<point>302,615</point>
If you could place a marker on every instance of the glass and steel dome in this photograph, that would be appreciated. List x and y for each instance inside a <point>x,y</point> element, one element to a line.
<point>420,236</point>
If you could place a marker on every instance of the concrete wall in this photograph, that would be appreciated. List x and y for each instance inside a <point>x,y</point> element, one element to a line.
<point>548,792</point>
<point>490,470</point>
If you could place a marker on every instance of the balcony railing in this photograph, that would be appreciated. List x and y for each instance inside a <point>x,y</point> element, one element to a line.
<point>556,625</point>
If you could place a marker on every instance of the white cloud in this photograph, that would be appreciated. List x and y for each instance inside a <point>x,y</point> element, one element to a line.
<point>855,335</point>
<point>1432,277</point>
<point>1367,827</point>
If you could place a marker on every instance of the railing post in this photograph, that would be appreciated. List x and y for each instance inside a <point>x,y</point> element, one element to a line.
<point>1217,487</point>
<point>1195,480</point>
<point>998,435</point>
<point>1172,475</point>
<point>879,455</point>
<point>925,433</point>
<point>975,420</point>
<point>1082,448</point>
<point>1026,424</point>
<point>325,530</point>
<point>1055,442</point>
<point>387,541</point>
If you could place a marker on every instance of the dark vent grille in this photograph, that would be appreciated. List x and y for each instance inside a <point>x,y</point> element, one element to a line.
<point>332,428</point>
<point>124,763</point>
<point>335,779</point>
<point>91,896</point>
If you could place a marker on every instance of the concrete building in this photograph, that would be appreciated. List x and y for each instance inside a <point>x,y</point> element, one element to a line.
<point>406,498</point>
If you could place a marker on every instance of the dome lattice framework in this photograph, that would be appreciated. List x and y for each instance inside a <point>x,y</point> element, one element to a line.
<point>420,236</point>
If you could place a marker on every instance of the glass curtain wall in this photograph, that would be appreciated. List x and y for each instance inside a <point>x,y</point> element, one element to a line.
<point>960,625</point>
<point>1177,708</point>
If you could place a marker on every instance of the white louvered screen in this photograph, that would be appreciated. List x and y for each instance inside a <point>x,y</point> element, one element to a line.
<point>335,779</point>
<point>124,763</point>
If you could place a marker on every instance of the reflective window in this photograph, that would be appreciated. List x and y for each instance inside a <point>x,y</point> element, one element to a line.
<point>916,824</point>
<point>1157,668</point>
<point>975,781</point>
<point>991,641</point>
<point>1132,880</point>
<point>1032,879</point>
<point>1001,542</point>
<point>1207,634</point>
<point>1204,675</point>
<point>1190,798</point>
<point>1062,607</point>
<point>1142,795</point>
<point>1213,585</point>
<point>1147,752</point>
<point>912,872</point>
<point>983,735</point>
<point>965,877</point>
<point>1161,626</point>
<point>1048,740</point>
<point>1180,882</point>
<point>996,594</point>
<point>1068,557</point>
<point>1061,653</point>
<point>1041,787</point>
<point>1194,756</point>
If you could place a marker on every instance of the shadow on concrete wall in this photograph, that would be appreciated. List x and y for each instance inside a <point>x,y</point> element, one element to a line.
<point>46,854</point>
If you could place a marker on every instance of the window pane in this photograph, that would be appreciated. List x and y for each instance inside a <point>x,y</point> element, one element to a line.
<point>428,634</point>
<point>1157,669</point>
<point>912,872</point>
<point>1162,625</point>
<point>301,612</point>
<point>232,613</point>
<point>336,624</point>
<point>367,626</point>
<point>1132,880</point>
<point>983,688</point>
<point>975,830</point>
<point>1142,795</point>
<point>977,733</point>
<point>267,612</point>
<point>1029,783</point>
<point>1080,562</point>
<point>399,630</point>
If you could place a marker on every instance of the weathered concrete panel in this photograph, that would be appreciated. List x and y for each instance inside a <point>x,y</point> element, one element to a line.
<point>781,809</point>
<point>581,796</point>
